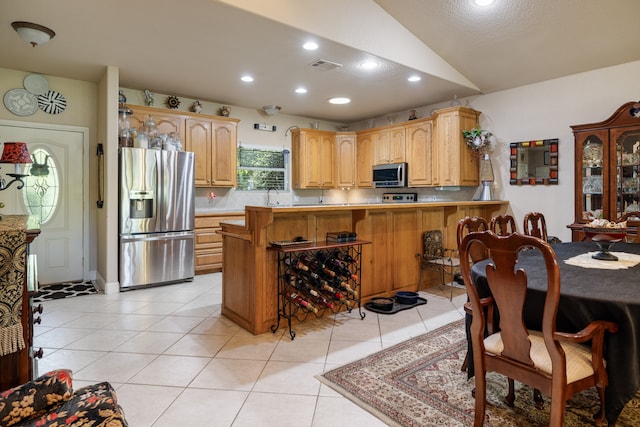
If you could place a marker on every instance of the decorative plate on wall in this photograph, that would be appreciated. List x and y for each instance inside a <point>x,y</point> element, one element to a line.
<point>173,102</point>
<point>52,102</point>
<point>21,102</point>
<point>36,84</point>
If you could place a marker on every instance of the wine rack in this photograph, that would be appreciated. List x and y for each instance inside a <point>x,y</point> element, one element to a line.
<point>318,278</point>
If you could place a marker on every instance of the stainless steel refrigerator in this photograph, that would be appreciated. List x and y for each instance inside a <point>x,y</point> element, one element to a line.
<point>156,217</point>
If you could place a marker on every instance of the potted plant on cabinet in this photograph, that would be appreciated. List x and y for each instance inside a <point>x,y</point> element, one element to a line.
<point>477,139</point>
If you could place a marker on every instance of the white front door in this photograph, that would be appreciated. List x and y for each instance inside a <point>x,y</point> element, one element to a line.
<point>55,197</point>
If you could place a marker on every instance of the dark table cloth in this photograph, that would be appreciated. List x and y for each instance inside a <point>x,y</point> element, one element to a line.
<point>588,294</point>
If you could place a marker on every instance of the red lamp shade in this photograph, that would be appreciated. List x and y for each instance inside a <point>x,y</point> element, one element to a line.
<point>15,152</point>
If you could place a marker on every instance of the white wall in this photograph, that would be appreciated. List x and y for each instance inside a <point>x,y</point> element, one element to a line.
<point>547,110</point>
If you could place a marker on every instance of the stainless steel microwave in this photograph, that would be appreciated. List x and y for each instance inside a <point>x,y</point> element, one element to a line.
<point>393,175</point>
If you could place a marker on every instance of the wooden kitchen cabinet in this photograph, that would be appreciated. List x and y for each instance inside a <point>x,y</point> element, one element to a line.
<point>346,160</point>
<point>389,145</point>
<point>312,159</point>
<point>208,245</point>
<point>364,157</point>
<point>423,171</point>
<point>198,140</point>
<point>165,121</point>
<point>456,164</point>
<point>213,139</point>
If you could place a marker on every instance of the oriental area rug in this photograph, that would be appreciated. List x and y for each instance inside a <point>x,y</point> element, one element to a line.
<point>419,383</point>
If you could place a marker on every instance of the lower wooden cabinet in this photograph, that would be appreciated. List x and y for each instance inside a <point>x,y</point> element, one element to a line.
<point>208,250</point>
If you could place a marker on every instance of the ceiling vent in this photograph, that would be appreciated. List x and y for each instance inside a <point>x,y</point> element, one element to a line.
<point>324,65</point>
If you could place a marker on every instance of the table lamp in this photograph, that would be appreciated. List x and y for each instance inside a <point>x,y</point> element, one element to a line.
<point>17,154</point>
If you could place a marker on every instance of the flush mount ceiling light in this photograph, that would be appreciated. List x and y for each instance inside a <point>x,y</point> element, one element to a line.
<point>310,46</point>
<point>484,3</point>
<point>339,100</point>
<point>301,90</point>
<point>246,78</point>
<point>271,109</point>
<point>33,33</point>
<point>414,78</point>
<point>369,64</point>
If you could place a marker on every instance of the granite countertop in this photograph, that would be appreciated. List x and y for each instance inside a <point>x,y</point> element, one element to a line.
<point>371,206</point>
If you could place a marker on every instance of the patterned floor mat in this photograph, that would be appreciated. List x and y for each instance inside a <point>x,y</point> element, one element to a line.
<point>65,290</point>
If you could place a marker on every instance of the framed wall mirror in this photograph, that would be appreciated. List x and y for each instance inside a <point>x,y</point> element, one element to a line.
<point>534,162</point>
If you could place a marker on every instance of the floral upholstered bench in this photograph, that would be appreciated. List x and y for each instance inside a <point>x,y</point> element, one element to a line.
<point>49,401</point>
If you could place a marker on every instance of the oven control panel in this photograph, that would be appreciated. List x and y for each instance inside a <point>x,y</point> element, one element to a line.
<point>399,197</point>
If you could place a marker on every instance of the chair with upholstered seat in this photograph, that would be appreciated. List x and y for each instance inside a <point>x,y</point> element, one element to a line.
<point>535,225</point>
<point>559,364</point>
<point>436,257</point>
<point>465,226</point>
<point>503,225</point>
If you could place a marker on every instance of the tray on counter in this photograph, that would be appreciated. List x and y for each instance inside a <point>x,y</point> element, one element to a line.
<point>289,243</point>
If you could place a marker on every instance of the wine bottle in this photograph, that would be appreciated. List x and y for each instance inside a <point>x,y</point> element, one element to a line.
<point>343,285</point>
<point>336,294</point>
<point>301,302</point>
<point>343,256</point>
<point>315,296</point>
<point>295,264</point>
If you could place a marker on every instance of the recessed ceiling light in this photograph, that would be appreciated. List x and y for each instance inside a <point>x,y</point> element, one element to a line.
<point>369,64</point>
<point>310,46</point>
<point>484,3</point>
<point>246,78</point>
<point>414,78</point>
<point>339,100</point>
<point>301,90</point>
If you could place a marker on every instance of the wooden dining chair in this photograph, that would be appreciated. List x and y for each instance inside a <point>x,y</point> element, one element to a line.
<point>535,225</point>
<point>503,225</point>
<point>465,226</point>
<point>556,363</point>
<point>436,256</point>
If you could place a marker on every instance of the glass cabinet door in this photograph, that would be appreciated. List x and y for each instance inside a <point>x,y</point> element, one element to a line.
<point>592,177</point>
<point>627,168</point>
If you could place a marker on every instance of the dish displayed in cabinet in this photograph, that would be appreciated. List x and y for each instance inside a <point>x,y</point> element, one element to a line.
<point>592,184</point>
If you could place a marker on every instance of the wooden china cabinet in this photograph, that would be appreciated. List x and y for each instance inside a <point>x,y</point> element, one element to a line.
<point>607,167</point>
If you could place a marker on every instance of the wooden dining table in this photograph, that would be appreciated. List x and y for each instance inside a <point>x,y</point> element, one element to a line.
<point>588,294</point>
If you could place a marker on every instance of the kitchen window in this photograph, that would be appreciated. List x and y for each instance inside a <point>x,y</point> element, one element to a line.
<point>262,168</point>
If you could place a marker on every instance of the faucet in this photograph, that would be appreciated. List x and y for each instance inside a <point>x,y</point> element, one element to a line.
<point>269,202</point>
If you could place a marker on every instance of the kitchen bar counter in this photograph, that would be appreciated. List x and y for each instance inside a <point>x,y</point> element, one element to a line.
<point>389,264</point>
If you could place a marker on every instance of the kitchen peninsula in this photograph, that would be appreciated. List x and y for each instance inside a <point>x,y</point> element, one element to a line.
<point>389,264</point>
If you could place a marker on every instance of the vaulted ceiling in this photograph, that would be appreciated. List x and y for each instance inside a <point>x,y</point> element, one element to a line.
<point>200,48</point>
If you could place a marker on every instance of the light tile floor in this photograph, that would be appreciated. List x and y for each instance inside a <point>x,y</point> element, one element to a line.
<point>176,361</point>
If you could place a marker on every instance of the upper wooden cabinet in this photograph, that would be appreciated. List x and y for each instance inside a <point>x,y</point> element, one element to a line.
<point>422,169</point>
<point>433,147</point>
<point>346,160</point>
<point>607,168</point>
<point>389,145</point>
<point>313,158</point>
<point>213,139</point>
<point>456,165</point>
<point>166,122</point>
<point>364,156</point>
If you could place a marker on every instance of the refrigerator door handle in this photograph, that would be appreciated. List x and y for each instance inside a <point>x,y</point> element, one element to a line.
<point>154,237</point>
